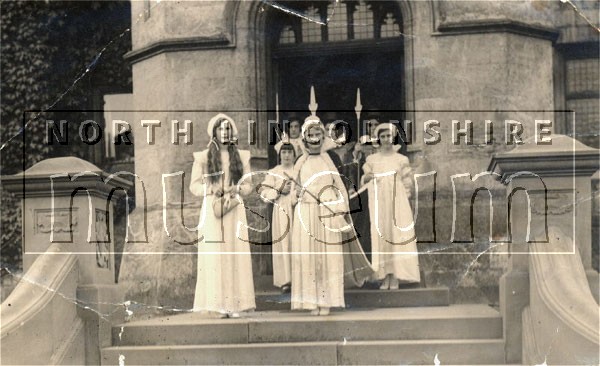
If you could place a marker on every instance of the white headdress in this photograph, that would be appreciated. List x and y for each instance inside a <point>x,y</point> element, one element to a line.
<point>285,140</point>
<point>311,121</point>
<point>221,117</point>
<point>385,126</point>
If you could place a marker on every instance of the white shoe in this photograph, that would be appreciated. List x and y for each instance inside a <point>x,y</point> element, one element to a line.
<point>324,311</point>
<point>234,315</point>
<point>394,283</point>
<point>385,285</point>
<point>314,312</point>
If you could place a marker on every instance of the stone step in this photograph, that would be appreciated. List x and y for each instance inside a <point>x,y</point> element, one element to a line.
<point>370,298</point>
<point>422,323</point>
<point>463,351</point>
<point>423,352</point>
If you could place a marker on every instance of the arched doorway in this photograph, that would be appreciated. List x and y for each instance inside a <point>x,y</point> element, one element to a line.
<point>336,47</point>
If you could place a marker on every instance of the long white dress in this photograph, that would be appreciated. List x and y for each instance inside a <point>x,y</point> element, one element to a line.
<point>224,281</point>
<point>393,239</point>
<point>281,223</point>
<point>317,257</point>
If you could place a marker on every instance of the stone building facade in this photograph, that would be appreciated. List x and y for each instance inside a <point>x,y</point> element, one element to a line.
<point>412,60</point>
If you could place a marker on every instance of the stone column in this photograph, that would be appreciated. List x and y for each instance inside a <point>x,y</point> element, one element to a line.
<point>556,178</point>
<point>70,201</point>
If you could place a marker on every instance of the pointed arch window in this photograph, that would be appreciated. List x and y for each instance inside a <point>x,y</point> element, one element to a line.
<point>311,27</point>
<point>288,35</point>
<point>363,22</point>
<point>337,26</point>
<point>339,21</point>
<point>389,26</point>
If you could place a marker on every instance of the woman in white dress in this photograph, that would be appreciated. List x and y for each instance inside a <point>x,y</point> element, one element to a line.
<point>277,190</point>
<point>224,281</point>
<point>394,243</point>
<point>317,257</point>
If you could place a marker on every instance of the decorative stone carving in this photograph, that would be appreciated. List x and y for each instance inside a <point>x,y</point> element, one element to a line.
<point>102,239</point>
<point>65,220</point>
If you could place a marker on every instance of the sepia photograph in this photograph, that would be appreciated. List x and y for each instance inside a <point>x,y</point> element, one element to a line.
<point>300,182</point>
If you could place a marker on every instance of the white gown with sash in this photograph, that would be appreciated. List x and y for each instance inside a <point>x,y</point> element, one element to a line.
<point>323,259</point>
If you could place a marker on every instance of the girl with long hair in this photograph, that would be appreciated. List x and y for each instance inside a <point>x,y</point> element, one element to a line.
<point>224,281</point>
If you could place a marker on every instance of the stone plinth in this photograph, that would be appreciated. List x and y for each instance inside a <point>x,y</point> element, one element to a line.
<point>556,179</point>
<point>69,200</point>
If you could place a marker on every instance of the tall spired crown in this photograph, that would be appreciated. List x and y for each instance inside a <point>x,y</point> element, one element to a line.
<point>312,107</point>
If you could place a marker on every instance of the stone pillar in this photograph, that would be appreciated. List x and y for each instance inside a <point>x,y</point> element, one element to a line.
<point>70,201</point>
<point>488,60</point>
<point>556,178</point>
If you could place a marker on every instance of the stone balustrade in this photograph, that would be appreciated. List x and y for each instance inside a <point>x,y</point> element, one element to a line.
<point>67,299</point>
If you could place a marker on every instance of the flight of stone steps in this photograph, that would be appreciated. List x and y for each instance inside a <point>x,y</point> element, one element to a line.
<point>406,326</point>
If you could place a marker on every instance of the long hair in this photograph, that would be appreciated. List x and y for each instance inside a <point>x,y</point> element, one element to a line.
<point>236,169</point>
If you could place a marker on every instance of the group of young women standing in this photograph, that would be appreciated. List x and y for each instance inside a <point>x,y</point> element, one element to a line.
<point>315,248</point>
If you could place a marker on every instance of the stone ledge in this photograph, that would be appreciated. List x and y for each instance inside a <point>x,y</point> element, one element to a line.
<point>418,323</point>
<point>177,45</point>
<point>358,298</point>
<point>497,26</point>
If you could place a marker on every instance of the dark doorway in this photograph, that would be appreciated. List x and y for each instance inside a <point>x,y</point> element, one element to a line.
<point>359,45</point>
<point>335,78</point>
